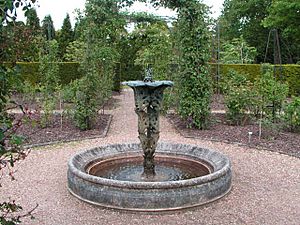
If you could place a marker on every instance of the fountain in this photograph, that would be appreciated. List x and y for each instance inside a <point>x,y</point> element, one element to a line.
<point>167,177</point>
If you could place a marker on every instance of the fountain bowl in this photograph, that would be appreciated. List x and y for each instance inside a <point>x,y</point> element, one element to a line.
<point>210,180</point>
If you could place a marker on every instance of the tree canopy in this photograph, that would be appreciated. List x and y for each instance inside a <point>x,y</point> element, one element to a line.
<point>284,15</point>
<point>48,28</point>
<point>66,36</point>
<point>243,18</point>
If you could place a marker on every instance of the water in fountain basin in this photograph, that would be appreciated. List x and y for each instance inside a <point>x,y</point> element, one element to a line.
<point>131,169</point>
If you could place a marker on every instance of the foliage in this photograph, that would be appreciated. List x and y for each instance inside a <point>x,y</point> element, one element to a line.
<point>239,97</point>
<point>49,71</point>
<point>103,26</point>
<point>264,97</point>
<point>74,51</point>
<point>284,15</point>
<point>156,48</point>
<point>291,75</point>
<point>141,17</point>
<point>255,18</point>
<point>193,81</point>
<point>79,25</point>
<point>292,114</point>
<point>33,21</point>
<point>48,29</point>
<point>240,18</point>
<point>11,149</point>
<point>85,101</point>
<point>195,86</point>
<point>66,36</point>
<point>271,92</point>
<point>8,9</point>
<point>20,43</point>
<point>237,51</point>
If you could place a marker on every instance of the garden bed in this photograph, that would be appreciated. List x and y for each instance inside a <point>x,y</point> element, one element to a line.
<point>280,141</point>
<point>60,129</point>
<point>58,132</point>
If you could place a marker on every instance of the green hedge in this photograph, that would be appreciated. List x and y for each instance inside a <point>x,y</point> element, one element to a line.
<point>29,71</point>
<point>70,71</point>
<point>289,73</point>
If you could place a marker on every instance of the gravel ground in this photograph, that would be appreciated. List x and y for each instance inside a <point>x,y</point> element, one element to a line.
<point>266,185</point>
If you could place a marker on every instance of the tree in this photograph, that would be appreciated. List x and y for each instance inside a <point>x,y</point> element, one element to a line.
<point>237,51</point>
<point>243,18</point>
<point>79,25</point>
<point>66,36</point>
<point>20,43</point>
<point>285,16</point>
<point>33,21</point>
<point>48,28</point>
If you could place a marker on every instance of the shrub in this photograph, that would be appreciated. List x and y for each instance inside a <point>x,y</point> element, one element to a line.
<point>85,103</point>
<point>239,97</point>
<point>271,93</point>
<point>292,114</point>
<point>49,72</point>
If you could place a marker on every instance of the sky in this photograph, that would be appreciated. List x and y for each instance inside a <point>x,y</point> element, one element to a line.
<point>59,8</point>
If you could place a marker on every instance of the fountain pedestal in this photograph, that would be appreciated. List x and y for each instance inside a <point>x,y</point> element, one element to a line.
<point>148,96</point>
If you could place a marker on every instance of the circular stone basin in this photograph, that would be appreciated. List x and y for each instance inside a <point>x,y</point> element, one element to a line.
<point>112,176</point>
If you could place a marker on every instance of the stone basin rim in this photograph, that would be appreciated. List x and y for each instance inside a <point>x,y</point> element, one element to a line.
<point>216,174</point>
<point>152,84</point>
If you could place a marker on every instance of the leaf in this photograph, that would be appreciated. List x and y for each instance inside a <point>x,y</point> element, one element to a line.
<point>1,135</point>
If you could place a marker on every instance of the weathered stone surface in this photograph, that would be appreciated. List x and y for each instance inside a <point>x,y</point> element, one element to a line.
<point>149,196</point>
<point>148,97</point>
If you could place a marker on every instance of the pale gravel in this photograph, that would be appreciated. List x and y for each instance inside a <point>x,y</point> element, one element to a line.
<point>266,185</point>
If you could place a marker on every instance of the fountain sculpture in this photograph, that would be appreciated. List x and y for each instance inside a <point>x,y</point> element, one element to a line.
<point>148,97</point>
<point>167,177</point>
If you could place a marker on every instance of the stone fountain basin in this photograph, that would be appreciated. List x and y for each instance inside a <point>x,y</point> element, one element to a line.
<point>150,196</point>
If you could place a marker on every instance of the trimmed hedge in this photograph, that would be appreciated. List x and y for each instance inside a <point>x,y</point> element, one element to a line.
<point>29,71</point>
<point>70,71</point>
<point>289,73</point>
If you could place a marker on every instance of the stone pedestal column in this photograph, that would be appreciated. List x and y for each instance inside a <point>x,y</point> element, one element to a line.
<point>148,97</point>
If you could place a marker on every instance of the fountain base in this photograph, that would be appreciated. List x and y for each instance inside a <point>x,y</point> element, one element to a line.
<point>112,176</point>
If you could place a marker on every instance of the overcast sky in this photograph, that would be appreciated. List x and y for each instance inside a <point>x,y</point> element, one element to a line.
<point>59,8</point>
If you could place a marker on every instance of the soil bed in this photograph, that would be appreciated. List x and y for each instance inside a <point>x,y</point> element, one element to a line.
<point>283,142</point>
<point>35,135</point>
<point>56,132</point>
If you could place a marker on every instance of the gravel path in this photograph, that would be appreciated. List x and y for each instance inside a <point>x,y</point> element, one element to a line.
<point>266,185</point>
